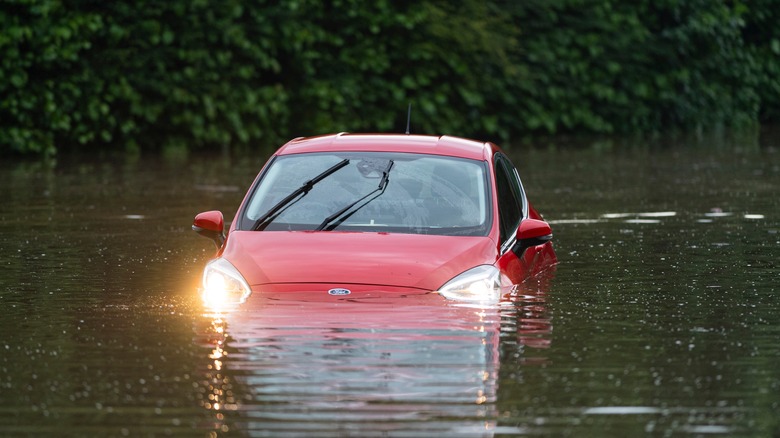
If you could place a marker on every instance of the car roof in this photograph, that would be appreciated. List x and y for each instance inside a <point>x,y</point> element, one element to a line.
<point>409,143</point>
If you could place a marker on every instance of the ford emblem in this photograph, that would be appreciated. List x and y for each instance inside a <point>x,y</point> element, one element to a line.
<point>339,291</point>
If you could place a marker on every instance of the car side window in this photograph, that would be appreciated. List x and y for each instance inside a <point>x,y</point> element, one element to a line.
<point>509,205</point>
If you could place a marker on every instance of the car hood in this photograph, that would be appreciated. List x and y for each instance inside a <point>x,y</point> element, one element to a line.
<point>342,258</point>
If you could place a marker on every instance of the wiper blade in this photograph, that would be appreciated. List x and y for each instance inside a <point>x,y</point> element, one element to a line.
<point>290,199</point>
<point>328,224</point>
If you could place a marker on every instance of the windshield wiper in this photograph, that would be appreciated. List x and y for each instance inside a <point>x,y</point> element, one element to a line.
<point>350,209</point>
<point>299,193</point>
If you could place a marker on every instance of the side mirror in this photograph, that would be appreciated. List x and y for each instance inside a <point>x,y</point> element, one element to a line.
<point>212,225</point>
<point>532,232</point>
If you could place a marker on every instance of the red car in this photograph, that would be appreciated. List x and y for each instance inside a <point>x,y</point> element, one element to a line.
<point>362,216</point>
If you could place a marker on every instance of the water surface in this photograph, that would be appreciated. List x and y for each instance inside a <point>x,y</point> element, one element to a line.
<point>661,319</point>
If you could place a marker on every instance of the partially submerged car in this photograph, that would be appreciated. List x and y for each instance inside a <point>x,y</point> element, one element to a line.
<point>366,216</point>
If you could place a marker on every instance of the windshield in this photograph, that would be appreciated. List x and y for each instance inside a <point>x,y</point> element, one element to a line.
<point>390,192</point>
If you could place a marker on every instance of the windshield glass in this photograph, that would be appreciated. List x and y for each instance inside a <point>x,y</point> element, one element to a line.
<point>405,193</point>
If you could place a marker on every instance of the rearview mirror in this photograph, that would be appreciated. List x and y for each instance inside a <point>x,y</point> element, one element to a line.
<point>210,224</point>
<point>532,232</point>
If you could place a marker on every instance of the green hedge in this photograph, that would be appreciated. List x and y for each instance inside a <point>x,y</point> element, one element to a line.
<point>231,73</point>
<point>761,35</point>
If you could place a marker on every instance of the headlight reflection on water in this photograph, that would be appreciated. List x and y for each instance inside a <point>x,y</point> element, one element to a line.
<point>223,286</point>
<point>217,393</point>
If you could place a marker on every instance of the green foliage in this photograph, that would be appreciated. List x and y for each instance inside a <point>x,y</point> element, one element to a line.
<point>200,73</point>
<point>612,66</point>
<point>145,74</point>
<point>365,61</point>
<point>762,36</point>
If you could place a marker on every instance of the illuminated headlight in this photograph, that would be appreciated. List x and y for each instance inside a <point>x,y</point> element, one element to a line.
<point>480,284</point>
<point>223,285</point>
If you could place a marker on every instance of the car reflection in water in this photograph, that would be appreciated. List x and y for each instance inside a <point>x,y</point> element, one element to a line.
<point>294,364</point>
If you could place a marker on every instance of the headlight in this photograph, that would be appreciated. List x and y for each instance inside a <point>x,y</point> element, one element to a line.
<point>480,284</point>
<point>223,285</point>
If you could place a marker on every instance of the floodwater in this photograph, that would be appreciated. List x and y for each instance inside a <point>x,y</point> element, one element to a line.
<point>662,318</point>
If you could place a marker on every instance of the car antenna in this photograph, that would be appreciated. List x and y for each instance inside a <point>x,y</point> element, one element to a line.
<point>408,118</point>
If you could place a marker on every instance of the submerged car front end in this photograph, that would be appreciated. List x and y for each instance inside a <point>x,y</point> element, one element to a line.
<point>351,265</point>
